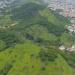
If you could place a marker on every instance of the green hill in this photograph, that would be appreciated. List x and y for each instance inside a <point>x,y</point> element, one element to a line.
<point>29,39</point>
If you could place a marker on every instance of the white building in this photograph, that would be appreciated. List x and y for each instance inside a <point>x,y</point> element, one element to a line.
<point>62,47</point>
<point>71,28</point>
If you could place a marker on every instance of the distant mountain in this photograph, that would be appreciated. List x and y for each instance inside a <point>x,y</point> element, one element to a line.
<point>5,3</point>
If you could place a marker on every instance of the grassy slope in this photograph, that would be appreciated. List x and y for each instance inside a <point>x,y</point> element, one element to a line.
<point>24,64</point>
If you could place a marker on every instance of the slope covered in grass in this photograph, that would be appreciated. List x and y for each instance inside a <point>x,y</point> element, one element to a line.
<point>23,59</point>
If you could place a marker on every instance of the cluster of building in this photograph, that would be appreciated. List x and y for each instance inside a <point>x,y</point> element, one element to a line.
<point>66,8</point>
<point>71,49</point>
<point>71,28</point>
<point>68,13</point>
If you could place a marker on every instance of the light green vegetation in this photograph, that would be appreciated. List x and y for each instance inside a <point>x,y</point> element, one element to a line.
<point>24,60</point>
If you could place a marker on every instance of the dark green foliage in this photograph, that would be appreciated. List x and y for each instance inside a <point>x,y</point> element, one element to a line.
<point>26,11</point>
<point>43,68</point>
<point>69,57</point>
<point>2,45</point>
<point>9,37</point>
<point>47,55</point>
<point>52,28</point>
<point>6,69</point>
<point>60,17</point>
<point>30,37</point>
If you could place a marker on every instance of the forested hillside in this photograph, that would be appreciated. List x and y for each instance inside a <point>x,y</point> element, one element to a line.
<point>30,36</point>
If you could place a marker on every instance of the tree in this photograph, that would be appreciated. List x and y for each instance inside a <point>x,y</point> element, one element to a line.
<point>47,55</point>
<point>2,45</point>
